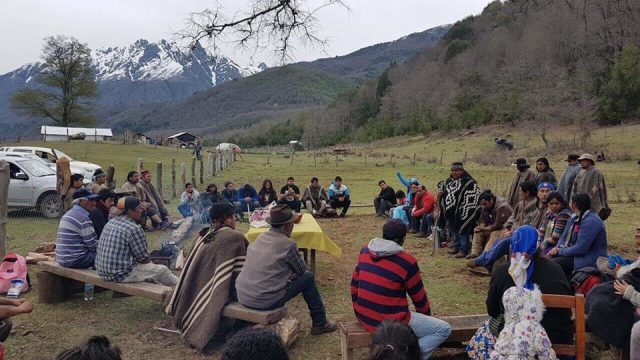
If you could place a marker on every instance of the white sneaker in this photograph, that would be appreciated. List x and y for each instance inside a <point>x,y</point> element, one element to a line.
<point>430,237</point>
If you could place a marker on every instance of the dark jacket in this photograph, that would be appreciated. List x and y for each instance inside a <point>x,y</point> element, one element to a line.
<point>550,277</point>
<point>230,196</point>
<point>99,217</point>
<point>251,193</point>
<point>388,194</point>
<point>206,199</point>
<point>498,216</point>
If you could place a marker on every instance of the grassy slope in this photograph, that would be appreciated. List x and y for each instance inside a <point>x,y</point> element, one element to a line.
<point>129,322</point>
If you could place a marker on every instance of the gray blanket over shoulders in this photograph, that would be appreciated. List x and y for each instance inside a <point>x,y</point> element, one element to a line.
<point>206,285</point>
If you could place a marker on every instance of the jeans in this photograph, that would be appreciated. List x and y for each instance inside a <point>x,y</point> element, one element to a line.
<point>427,223</point>
<point>415,223</point>
<point>185,210</point>
<point>295,205</point>
<point>335,203</point>
<point>305,284</point>
<point>382,206</point>
<point>151,272</point>
<point>431,332</point>
<point>500,248</point>
<point>460,241</point>
<point>86,262</point>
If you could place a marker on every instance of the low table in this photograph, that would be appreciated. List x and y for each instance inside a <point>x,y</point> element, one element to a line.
<point>308,236</point>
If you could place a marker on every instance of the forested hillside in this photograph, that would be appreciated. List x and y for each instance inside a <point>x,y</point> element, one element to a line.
<point>540,61</point>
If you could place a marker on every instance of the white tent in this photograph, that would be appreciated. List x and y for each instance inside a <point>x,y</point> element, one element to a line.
<point>228,146</point>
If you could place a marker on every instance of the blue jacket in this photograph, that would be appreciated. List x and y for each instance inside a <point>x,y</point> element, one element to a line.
<point>591,241</point>
<point>333,191</point>
<point>407,183</point>
<point>242,193</point>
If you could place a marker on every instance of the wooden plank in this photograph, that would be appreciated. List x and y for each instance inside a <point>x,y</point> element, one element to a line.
<point>235,310</point>
<point>145,290</point>
<point>559,301</point>
<point>561,349</point>
<point>580,328</point>
<point>34,258</point>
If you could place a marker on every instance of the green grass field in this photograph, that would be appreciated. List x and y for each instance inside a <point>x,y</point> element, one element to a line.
<point>130,322</point>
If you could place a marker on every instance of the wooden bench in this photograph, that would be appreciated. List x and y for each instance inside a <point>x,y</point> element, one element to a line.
<point>57,283</point>
<point>354,336</point>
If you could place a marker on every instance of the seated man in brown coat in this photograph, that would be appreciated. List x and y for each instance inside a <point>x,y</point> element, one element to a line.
<point>204,289</point>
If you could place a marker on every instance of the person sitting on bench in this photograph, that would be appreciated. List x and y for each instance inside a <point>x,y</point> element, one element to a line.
<point>220,250</point>
<point>274,273</point>
<point>77,240</point>
<point>384,275</point>
<point>123,254</point>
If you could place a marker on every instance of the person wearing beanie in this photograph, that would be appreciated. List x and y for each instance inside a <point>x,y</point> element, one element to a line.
<point>524,174</point>
<point>220,249</point>
<point>123,253</point>
<point>590,181</point>
<point>566,182</point>
<point>385,274</point>
<point>99,182</point>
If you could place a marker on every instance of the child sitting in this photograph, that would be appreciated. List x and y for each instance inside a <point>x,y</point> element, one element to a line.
<point>523,337</point>
<point>398,212</point>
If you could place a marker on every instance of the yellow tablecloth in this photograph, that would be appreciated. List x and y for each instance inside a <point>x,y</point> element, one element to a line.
<point>307,234</point>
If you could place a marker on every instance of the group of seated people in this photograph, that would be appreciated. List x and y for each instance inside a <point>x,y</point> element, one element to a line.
<point>318,201</point>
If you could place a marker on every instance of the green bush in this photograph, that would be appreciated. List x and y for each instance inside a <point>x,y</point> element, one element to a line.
<point>455,48</point>
<point>621,95</point>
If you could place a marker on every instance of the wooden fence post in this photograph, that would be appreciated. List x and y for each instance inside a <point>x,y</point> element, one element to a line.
<point>183,174</point>
<point>315,162</point>
<point>414,159</point>
<point>441,156</point>
<point>193,171</point>
<point>140,165</point>
<point>201,172</point>
<point>268,154</point>
<point>337,159</point>
<point>159,177</point>
<point>4,197</point>
<point>293,152</point>
<point>173,178</point>
<point>111,172</point>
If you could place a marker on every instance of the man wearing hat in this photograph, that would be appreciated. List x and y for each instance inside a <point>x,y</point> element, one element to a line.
<point>566,182</point>
<point>274,273</point>
<point>385,274</point>
<point>99,182</point>
<point>524,174</point>
<point>194,304</point>
<point>77,240</point>
<point>590,181</point>
<point>123,254</point>
<point>100,214</point>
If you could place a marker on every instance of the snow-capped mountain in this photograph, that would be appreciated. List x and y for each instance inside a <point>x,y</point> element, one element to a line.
<point>147,72</point>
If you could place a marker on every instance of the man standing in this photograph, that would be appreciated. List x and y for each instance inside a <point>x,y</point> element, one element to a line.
<point>524,174</point>
<point>100,215</point>
<point>123,254</point>
<point>459,200</point>
<point>290,195</point>
<point>590,181</point>
<point>315,198</point>
<point>384,275</point>
<point>153,196</point>
<point>339,196</point>
<point>274,273</point>
<point>77,240</point>
<point>385,200</point>
<point>566,182</point>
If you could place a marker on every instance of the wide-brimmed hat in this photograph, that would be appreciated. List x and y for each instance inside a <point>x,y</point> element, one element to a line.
<point>83,193</point>
<point>587,156</point>
<point>282,214</point>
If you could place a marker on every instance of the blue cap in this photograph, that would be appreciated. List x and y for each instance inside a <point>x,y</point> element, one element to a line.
<point>83,193</point>
<point>546,185</point>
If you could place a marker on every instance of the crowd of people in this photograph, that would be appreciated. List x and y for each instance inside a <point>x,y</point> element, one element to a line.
<point>546,237</point>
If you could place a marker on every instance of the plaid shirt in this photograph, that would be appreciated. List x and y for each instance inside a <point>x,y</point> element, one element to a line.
<point>121,244</point>
<point>295,261</point>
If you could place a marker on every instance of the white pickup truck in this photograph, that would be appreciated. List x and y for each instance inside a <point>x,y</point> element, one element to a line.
<point>32,185</point>
<point>50,155</point>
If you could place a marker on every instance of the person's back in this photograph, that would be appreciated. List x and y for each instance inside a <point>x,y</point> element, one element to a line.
<point>114,258</point>
<point>77,240</point>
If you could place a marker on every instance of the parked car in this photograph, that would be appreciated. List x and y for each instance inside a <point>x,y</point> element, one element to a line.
<point>32,185</point>
<point>50,155</point>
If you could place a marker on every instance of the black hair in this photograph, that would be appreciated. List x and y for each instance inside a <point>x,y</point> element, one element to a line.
<point>400,194</point>
<point>338,178</point>
<point>220,211</point>
<point>313,179</point>
<point>290,178</point>
<point>187,185</point>
<point>227,183</point>
<point>95,348</point>
<point>381,182</point>
<point>104,194</point>
<point>212,186</point>
<point>529,188</point>
<point>247,187</point>
<point>76,177</point>
<point>394,230</point>
<point>487,195</point>
<point>557,196</point>
<point>130,174</point>
<point>394,340</point>
<point>582,202</point>
<point>545,161</point>
<point>254,344</point>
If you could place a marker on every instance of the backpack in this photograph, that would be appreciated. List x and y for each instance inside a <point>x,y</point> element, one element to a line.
<point>13,267</point>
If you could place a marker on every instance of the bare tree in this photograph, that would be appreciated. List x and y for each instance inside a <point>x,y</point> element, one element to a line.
<point>267,24</point>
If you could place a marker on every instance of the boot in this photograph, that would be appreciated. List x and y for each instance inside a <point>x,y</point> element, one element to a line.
<point>471,263</point>
<point>452,251</point>
<point>460,255</point>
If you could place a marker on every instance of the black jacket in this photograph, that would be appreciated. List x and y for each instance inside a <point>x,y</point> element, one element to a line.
<point>388,194</point>
<point>550,277</point>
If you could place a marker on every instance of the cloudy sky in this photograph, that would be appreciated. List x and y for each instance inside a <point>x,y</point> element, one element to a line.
<point>120,22</point>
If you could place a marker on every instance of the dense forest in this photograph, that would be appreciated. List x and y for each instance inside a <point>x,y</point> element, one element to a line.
<point>536,61</point>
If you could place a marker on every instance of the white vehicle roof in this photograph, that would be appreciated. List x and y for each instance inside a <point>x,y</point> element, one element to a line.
<point>34,148</point>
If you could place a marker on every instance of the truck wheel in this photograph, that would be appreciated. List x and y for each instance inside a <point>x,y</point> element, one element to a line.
<point>51,206</point>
